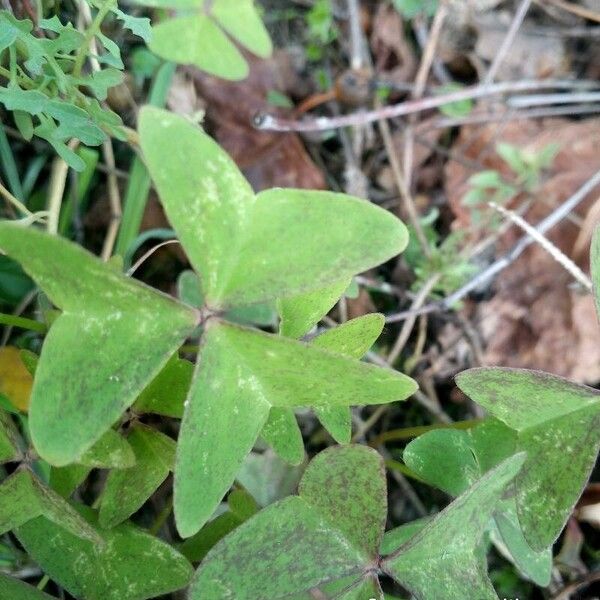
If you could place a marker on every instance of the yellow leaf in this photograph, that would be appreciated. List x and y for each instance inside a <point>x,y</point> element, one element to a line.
<point>15,379</point>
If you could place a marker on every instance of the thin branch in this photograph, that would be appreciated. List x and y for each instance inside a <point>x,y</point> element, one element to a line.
<point>475,118</point>
<point>422,35</point>
<point>429,50</point>
<point>148,254</point>
<point>407,199</point>
<point>14,201</point>
<point>507,42</point>
<point>502,263</point>
<point>409,323</point>
<point>114,197</point>
<point>568,591</point>
<point>548,246</point>
<point>58,179</point>
<point>269,122</point>
<point>356,46</point>
<point>528,100</point>
<point>575,9</point>
<point>114,194</point>
<point>420,84</point>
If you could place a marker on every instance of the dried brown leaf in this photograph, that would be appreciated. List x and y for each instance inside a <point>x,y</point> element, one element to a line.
<point>536,319</point>
<point>267,159</point>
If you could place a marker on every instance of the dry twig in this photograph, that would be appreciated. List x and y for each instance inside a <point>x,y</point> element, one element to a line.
<point>502,263</point>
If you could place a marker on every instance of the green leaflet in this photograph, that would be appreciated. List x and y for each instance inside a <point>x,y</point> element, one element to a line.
<point>444,458</point>
<point>267,478</point>
<point>241,507</point>
<point>452,460</point>
<point>556,423</point>
<point>23,498</point>
<point>303,541</point>
<point>65,480</point>
<point>14,589</point>
<point>536,565</point>
<point>131,564</point>
<point>241,21</point>
<point>139,26</point>
<point>595,267</point>
<point>223,225</point>
<point>282,433</point>
<point>126,490</point>
<point>299,314</point>
<point>352,339</point>
<point>241,375</point>
<point>205,198</point>
<point>107,318</point>
<point>198,40</point>
<point>368,234</point>
<point>199,37</point>
<point>189,289</point>
<point>345,473</point>
<point>9,439</point>
<point>111,450</point>
<point>166,393</point>
<point>448,543</point>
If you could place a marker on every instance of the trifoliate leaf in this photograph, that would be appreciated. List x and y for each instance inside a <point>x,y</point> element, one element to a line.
<point>448,544</point>
<point>452,460</point>
<point>236,267</point>
<point>556,423</point>
<point>328,532</point>
<point>241,376</point>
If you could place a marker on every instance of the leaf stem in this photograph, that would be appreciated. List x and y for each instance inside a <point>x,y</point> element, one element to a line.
<point>22,323</point>
<point>407,433</point>
<point>396,465</point>
<point>14,201</point>
<point>22,81</point>
<point>162,516</point>
<point>92,30</point>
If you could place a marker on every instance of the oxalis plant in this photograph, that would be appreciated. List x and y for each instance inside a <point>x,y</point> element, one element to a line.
<point>111,356</point>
